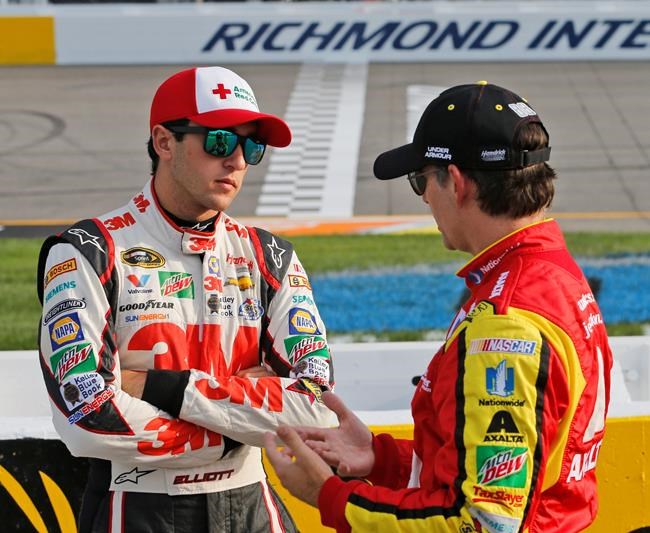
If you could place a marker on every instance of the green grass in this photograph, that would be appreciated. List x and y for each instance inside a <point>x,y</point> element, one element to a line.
<point>20,310</point>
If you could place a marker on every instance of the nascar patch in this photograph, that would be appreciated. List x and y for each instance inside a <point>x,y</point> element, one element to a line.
<point>502,345</point>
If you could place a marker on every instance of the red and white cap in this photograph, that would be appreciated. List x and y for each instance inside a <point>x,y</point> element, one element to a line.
<point>217,98</point>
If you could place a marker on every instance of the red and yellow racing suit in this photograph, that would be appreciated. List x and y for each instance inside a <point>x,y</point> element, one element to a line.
<point>510,414</point>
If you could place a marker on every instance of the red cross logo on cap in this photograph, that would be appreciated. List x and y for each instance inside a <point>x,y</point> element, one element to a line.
<point>221,91</point>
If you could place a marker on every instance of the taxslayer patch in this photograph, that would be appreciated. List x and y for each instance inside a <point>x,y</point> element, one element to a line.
<point>60,268</point>
<point>75,359</point>
<point>302,321</point>
<point>301,346</point>
<point>65,330</point>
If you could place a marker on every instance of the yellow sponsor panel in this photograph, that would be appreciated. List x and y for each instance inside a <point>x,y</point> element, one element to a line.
<point>623,479</point>
<point>27,41</point>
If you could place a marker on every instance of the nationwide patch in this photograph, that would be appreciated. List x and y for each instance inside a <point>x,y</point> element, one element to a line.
<point>301,346</point>
<point>60,268</point>
<point>65,330</point>
<point>502,345</point>
<point>176,284</point>
<point>501,467</point>
<point>500,380</point>
<point>81,388</point>
<point>302,321</point>
<point>75,359</point>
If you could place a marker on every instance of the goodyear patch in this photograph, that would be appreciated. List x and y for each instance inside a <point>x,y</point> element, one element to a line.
<point>501,467</point>
<point>301,346</point>
<point>75,359</point>
<point>302,321</point>
<point>65,330</point>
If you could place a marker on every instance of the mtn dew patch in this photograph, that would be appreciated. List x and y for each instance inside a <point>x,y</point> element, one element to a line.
<point>176,284</point>
<point>74,359</point>
<point>300,346</point>
<point>501,466</point>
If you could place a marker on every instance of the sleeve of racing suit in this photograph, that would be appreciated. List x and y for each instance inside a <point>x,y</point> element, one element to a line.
<point>294,345</point>
<point>393,459</point>
<point>495,430</point>
<point>81,368</point>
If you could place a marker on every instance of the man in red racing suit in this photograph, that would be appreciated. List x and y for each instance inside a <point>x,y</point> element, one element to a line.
<point>510,414</point>
<point>220,315</point>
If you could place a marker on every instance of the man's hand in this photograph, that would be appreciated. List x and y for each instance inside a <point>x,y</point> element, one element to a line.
<point>255,372</point>
<point>304,476</point>
<point>348,447</point>
<point>133,382</point>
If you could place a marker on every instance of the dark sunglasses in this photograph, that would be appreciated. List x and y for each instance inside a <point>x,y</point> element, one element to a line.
<point>222,143</point>
<point>418,181</point>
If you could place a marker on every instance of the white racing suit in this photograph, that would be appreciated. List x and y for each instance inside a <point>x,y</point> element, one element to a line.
<point>131,290</point>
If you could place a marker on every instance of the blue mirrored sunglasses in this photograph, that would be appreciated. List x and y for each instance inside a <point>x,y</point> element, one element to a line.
<point>222,143</point>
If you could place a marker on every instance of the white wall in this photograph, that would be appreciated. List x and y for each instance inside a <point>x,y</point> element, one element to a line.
<point>373,378</point>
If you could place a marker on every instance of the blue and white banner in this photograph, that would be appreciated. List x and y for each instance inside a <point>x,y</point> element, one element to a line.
<point>256,32</point>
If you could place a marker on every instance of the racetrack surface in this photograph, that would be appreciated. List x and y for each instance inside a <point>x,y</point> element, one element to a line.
<point>73,139</point>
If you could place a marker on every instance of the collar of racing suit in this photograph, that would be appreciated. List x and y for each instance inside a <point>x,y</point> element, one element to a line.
<point>540,236</point>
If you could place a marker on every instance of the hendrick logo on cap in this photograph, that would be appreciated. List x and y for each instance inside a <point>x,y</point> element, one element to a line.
<point>493,155</point>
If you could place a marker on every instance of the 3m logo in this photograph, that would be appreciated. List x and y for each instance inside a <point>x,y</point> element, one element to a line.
<point>119,222</point>
<point>202,244</point>
<point>261,393</point>
<point>141,202</point>
<point>175,437</point>
<point>501,467</point>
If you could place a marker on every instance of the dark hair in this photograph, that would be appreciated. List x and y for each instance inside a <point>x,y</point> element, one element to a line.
<point>520,192</point>
<point>178,136</point>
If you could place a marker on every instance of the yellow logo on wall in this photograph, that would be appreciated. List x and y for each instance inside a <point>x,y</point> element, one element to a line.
<point>60,504</point>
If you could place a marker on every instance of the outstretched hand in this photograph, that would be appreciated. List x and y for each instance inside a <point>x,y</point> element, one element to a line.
<point>300,469</point>
<point>348,447</point>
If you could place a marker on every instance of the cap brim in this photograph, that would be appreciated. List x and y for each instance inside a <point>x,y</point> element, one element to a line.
<point>397,162</point>
<point>271,129</point>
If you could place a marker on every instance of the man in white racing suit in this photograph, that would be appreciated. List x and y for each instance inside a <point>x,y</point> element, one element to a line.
<point>173,337</point>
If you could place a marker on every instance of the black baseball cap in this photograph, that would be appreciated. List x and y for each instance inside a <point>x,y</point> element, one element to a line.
<point>472,126</point>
